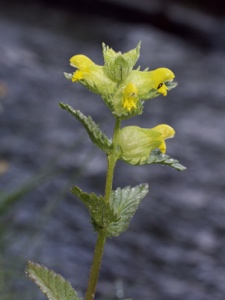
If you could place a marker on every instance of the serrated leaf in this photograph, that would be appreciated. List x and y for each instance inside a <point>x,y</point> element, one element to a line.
<point>124,203</point>
<point>93,130</point>
<point>101,213</point>
<point>117,65</point>
<point>53,285</point>
<point>157,157</point>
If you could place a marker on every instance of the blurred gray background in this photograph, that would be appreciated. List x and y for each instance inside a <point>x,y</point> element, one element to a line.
<point>175,246</point>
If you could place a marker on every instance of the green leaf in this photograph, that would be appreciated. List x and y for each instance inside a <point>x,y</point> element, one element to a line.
<point>93,130</point>
<point>101,212</point>
<point>124,203</point>
<point>157,157</point>
<point>53,285</point>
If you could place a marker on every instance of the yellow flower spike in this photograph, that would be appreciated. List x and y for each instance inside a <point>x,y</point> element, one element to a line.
<point>121,88</point>
<point>130,97</point>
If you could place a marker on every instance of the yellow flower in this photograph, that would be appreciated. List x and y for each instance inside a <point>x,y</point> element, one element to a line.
<point>83,64</point>
<point>152,83</point>
<point>137,143</point>
<point>130,97</point>
<point>159,77</point>
<point>91,75</point>
<point>167,132</point>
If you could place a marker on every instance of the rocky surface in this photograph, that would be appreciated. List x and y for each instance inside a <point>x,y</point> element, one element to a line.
<point>174,248</point>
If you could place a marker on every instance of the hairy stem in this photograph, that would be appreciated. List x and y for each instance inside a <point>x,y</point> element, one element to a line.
<point>99,248</point>
<point>96,265</point>
<point>112,158</point>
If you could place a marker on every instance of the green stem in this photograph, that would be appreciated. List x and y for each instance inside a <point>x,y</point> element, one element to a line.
<point>99,247</point>
<point>112,158</point>
<point>96,265</point>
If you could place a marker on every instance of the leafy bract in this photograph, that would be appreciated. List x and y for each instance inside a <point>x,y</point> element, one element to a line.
<point>53,285</point>
<point>157,157</point>
<point>100,211</point>
<point>117,65</point>
<point>124,203</point>
<point>114,216</point>
<point>93,130</point>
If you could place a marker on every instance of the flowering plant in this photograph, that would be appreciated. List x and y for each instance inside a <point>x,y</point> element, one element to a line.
<point>124,90</point>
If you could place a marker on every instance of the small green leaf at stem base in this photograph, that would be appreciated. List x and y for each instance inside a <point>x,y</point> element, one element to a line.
<point>53,285</point>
